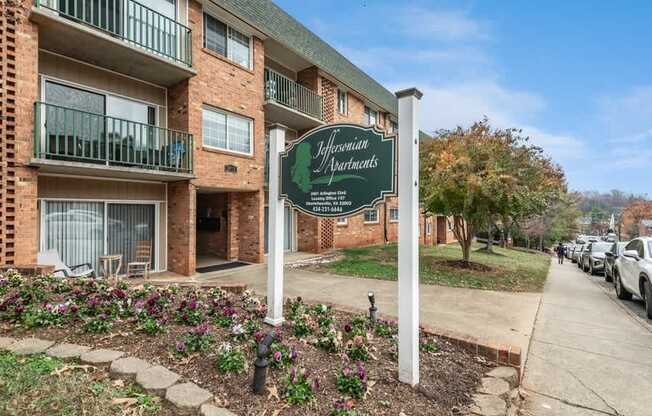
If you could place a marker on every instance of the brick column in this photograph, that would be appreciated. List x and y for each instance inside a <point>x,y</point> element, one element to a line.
<point>182,228</point>
<point>251,227</point>
<point>233,222</point>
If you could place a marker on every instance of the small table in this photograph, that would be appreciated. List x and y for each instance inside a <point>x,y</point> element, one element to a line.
<point>106,266</point>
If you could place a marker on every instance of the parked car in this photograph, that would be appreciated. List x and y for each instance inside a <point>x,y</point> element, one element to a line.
<point>593,257</point>
<point>632,272</point>
<point>611,255</point>
<point>569,250</point>
<point>577,252</point>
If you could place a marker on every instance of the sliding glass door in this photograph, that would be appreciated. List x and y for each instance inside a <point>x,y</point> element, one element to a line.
<point>75,230</point>
<point>82,231</point>
<point>128,224</point>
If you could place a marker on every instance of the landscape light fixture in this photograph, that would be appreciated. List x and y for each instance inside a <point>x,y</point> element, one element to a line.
<point>373,311</point>
<point>261,363</point>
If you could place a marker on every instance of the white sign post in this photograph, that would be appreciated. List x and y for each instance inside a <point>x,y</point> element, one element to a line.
<point>408,235</point>
<point>275,234</point>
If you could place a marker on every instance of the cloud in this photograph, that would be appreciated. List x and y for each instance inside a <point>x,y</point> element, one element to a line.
<point>441,25</point>
<point>451,105</point>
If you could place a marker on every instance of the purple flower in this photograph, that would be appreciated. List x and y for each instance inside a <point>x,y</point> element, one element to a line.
<point>228,311</point>
<point>180,347</point>
<point>201,330</point>
<point>73,308</point>
<point>278,356</point>
<point>119,293</point>
<point>293,354</point>
<point>259,335</point>
<point>347,328</point>
<point>315,384</point>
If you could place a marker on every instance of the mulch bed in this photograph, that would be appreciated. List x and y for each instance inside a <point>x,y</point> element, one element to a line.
<point>449,375</point>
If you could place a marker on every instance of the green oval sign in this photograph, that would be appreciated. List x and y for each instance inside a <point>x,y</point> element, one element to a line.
<point>338,170</point>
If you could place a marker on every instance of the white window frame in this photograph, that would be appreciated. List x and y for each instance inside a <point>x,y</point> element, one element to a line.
<point>364,216</point>
<point>342,222</point>
<point>229,28</point>
<point>227,114</point>
<point>156,249</point>
<point>345,109</point>
<point>367,114</point>
<point>393,209</point>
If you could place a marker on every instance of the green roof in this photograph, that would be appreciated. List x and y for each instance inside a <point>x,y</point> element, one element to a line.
<point>270,19</point>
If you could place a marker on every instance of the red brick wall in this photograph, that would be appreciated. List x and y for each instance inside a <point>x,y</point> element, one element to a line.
<point>18,184</point>
<point>251,227</point>
<point>182,200</point>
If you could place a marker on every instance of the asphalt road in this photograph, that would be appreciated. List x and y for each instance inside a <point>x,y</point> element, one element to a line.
<point>590,353</point>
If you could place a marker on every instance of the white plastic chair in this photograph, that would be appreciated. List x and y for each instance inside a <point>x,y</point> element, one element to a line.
<point>51,258</point>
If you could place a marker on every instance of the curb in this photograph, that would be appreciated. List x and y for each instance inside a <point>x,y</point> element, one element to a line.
<point>187,398</point>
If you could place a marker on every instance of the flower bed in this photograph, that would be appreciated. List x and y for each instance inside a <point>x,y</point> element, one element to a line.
<point>322,361</point>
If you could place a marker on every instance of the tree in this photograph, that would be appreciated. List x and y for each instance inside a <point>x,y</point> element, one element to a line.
<point>481,175</point>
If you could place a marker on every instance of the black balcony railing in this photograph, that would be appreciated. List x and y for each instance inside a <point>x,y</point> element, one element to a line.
<point>130,21</point>
<point>67,134</point>
<point>283,90</point>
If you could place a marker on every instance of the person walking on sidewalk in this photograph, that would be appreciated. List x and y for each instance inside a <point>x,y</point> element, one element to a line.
<point>560,249</point>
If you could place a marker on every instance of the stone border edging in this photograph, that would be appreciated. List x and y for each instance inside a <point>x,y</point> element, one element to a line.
<point>498,393</point>
<point>188,398</point>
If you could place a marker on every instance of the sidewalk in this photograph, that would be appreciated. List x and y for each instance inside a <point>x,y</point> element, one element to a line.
<point>588,356</point>
<point>501,317</point>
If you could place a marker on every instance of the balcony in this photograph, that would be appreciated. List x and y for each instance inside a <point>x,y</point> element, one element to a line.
<point>290,103</point>
<point>121,35</point>
<point>79,142</point>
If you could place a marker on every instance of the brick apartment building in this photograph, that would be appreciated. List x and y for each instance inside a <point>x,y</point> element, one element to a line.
<point>125,121</point>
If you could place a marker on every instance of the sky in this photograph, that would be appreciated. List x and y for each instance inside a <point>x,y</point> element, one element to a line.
<point>575,76</point>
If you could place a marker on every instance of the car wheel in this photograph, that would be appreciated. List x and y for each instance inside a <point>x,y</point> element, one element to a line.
<point>647,290</point>
<point>621,292</point>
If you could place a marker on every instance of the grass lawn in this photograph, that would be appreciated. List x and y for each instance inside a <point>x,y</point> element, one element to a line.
<point>506,269</point>
<point>40,385</point>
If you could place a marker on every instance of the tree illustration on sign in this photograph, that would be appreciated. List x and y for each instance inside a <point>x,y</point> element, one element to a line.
<point>301,169</point>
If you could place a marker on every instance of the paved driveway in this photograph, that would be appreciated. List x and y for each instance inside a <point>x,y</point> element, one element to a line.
<point>591,354</point>
<point>501,317</point>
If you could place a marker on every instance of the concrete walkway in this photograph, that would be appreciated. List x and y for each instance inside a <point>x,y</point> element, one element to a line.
<point>590,354</point>
<point>501,317</point>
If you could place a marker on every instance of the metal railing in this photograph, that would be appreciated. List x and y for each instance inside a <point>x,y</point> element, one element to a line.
<point>67,134</point>
<point>130,21</point>
<point>289,93</point>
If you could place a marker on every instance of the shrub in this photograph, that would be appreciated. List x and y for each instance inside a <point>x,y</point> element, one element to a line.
<point>353,380</point>
<point>190,312</point>
<point>100,323</point>
<point>296,308</point>
<point>230,359</point>
<point>343,408</point>
<point>282,355</point>
<point>429,346</point>
<point>329,339</point>
<point>226,317</point>
<point>385,329</point>
<point>152,326</point>
<point>298,388</point>
<point>196,340</point>
<point>356,349</point>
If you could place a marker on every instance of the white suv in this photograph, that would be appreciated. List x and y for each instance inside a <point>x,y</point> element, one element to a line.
<point>633,271</point>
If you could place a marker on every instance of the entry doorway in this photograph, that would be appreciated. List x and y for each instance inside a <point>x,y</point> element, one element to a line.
<point>212,228</point>
<point>289,234</point>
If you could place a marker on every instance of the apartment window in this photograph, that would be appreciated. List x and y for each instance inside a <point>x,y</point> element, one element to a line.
<point>342,221</point>
<point>393,214</point>
<point>371,216</point>
<point>370,116</point>
<point>227,41</point>
<point>342,102</point>
<point>226,131</point>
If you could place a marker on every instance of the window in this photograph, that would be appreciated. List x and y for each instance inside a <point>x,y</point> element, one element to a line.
<point>81,231</point>
<point>342,221</point>
<point>393,214</point>
<point>371,216</point>
<point>227,41</point>
<point>428,227</point>
<point>393,127</point>
<point>342,102</point>
<point>227,131</point>
<point>370,116</point>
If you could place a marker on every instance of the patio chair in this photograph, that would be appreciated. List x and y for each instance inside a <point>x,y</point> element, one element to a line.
<point>142,260</point>
<point>51,257</point>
